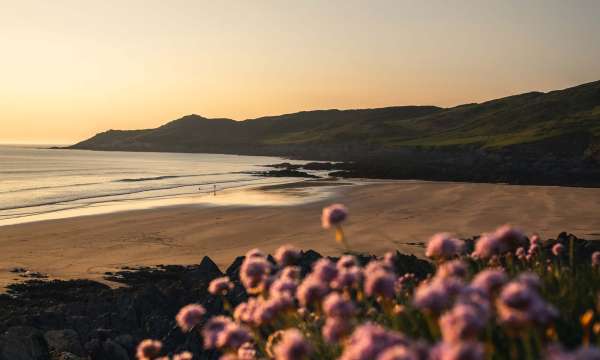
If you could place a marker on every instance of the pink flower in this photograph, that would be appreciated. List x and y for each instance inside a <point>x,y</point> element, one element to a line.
<point>437,294</point>
<point>369,340</point>
<point>245,312</point>
<point>505,238</point>
<point>489,280</point>
<point>511,236</point>
<point>212,330</point>
<point>246,352</point>
<point>283,286</point>
<point>333,215</point>
<point>519,305</point>
<point>558,249</point>
<point>380,283</point>
<point>220,286</point>
<point>347,278</point>
<point>468,350</point>
<point>292,346</point>
<point>186,355</point>
<point>189,316</point>
<point>255,253</point>
<point>232,336</point>
<point>398,352</point>
<point>335,329</point>
<point>596,259</point>
<point>377,265</point>
<point>311,289</point>
<point>346,261</point>
<point>335,305</point>
<point>454,268</point>
<point>477,299</point>
<point>390,259</point>
<point>521,253</point>
<point>487,246</point>
<point>324,269</point>
<point>290,273</point>
<point>530,279</point>
<point>443,246</point>
<point>534,240</point>
<point>148,349</point>
<point>286,255</point>
<point>269,309</point>
<point>462,322</point>
<point>253,273</point>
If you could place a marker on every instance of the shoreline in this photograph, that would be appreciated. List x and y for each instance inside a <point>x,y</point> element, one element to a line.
<point>384,215</point>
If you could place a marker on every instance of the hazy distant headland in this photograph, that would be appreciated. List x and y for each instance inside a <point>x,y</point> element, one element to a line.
<point>533,138</point>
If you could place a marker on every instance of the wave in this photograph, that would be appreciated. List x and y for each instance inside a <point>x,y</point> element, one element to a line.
<point>122,193</point>
<point>163,177</point>
<point>112,181</point>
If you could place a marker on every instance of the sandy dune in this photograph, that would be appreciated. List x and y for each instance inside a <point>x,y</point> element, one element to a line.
<point>384,216</point>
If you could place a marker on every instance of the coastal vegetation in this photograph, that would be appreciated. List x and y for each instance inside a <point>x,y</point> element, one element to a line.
<point>501,295</point>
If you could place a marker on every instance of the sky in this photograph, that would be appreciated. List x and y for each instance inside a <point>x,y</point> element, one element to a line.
<point>73,68</point>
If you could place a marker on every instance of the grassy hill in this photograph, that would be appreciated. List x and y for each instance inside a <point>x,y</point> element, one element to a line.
<point>521,119</point>
<point>554,134</point>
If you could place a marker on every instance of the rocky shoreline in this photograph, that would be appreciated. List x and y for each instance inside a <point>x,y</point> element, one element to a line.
<point>82,319</point>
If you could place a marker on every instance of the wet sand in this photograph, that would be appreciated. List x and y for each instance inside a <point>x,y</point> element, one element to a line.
<point>384,216</point>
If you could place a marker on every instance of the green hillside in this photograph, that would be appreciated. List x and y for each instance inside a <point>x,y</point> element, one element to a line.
<point>525,119</point>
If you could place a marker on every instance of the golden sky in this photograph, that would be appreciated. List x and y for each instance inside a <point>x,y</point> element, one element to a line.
<point>72,68</point>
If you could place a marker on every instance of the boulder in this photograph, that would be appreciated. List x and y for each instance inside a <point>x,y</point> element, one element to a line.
<point>67,340</point>
<point>23,343</point>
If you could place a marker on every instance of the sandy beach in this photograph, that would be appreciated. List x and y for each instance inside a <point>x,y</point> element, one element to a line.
<point>384,216</point>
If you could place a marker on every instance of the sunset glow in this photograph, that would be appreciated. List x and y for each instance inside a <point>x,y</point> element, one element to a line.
<point>70,69</point>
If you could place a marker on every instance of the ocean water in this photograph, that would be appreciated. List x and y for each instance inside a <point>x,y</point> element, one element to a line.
<point>38,183</point>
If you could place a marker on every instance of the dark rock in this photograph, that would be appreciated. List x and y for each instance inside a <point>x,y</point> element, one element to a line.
<point>208,267</point>
<point>66,340</point>
<point>69,356</point>
<point>233,271</point>
<point>23,343</point>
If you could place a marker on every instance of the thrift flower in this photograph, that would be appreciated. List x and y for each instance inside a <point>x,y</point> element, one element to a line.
<point>380,282</point>
<point>220,286</point>
<point>489,280</point>
<point>211,332</point>
<point>286,255</point>
<point>335,329</point>
<point>468,350</point>
<point>148,349</point>
<point>398,352</point>
<point>558,249</point>
<point>443,246</point>
<point>292,346</point>
<point>189,316</point>
<point>333,215</point>
<point>312,289</point>
<point>596,259</point>
<point>186,355</point>
<point>335,305</point>
<point>462,322</point>
<point>369,340</point>
<point>232,336</point>
<point>346,261</point>
<point>324,270</point>
<point>253,273</point>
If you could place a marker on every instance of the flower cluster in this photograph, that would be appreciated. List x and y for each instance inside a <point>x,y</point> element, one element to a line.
<point>492,303</point>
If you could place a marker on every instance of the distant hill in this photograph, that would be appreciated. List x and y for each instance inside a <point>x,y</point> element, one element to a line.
<point>562,125</point>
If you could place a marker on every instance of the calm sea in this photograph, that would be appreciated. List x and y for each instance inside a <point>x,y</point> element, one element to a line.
<point>35,182</point>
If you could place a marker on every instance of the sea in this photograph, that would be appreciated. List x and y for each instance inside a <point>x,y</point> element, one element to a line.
<point>40,183</point>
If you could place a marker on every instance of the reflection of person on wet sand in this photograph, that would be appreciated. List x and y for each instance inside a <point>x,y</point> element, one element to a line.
<point>215,190</point>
